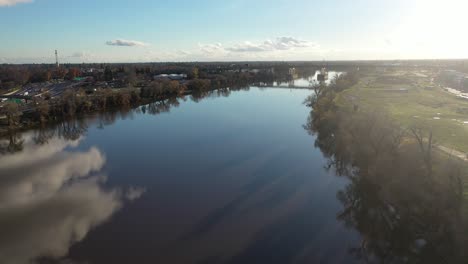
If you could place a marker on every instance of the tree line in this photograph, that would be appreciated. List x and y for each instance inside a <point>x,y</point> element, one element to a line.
<point>403,197</point>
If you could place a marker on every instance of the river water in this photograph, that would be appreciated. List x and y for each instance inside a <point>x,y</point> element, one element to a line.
<point>309,81</point>
<point>230,178</point>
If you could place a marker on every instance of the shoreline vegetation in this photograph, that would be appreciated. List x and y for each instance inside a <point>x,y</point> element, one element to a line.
<point>72,129</point>
<point>134,87</point>
<point>414,97</point>
<point>407,200</point>
<point>40,94</point>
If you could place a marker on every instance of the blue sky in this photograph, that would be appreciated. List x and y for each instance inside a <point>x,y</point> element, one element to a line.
<point>209,30</point>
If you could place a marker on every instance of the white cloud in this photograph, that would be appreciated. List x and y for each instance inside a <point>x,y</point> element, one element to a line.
<point>281,43</point>
<point>126,43</point>
<point>183,52</point>
<point>162,55</point>
<point>281,48</point>
<point>211,49</point>
<point>13,2</point>
<point>248,47</point>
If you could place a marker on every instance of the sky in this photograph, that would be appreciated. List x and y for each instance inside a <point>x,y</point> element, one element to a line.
<point>231,30</point>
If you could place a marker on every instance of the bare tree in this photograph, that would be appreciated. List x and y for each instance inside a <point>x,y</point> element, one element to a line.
<point>425,146</point>
<point>42,109</point>
<point>12,113</point>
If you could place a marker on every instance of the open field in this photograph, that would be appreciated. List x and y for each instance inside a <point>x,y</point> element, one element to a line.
<point>412,99</point>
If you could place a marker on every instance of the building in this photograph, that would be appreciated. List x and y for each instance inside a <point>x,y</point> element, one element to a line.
<point>170,77</point>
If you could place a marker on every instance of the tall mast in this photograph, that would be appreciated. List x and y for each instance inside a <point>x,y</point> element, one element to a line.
<point>56,59</point>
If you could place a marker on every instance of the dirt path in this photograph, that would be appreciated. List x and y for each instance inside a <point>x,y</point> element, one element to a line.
<point>452,152</point>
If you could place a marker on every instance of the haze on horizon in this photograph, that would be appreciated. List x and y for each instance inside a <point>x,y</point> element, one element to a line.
<point>236,30</point>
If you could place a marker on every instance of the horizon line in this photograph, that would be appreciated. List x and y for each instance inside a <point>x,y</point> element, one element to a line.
<point>240,61</point>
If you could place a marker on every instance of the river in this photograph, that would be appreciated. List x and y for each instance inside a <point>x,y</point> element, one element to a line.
<point>233,177</point>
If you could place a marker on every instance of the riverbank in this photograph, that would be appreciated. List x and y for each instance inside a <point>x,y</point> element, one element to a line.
<point>114,101</point>
<point>457,93</point>
<point>413,100</point>
<point>76,103</point>
<point>41,100</point>
<point>400,185</point>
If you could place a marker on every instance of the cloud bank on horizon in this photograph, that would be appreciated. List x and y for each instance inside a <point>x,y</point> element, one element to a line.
<point>208,30</point>
<point>281,43</point>
<point>279,48</point>
<point>269,49</point>
<point>278,44</point>
<point>13,2</point>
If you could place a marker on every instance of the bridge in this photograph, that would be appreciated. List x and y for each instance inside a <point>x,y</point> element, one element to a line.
<point>283,86</point>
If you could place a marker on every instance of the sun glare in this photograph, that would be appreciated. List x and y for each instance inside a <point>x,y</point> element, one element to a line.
<point>433,28</point>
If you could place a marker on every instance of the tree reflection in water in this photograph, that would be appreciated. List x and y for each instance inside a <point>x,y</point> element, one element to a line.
<point>74,128</point>
<point>405,211</point>
<point>13,144</point>
<point>51,194</point>
<point>163,106</point>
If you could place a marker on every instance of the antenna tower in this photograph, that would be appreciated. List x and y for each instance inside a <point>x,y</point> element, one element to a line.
<point>56,59</point>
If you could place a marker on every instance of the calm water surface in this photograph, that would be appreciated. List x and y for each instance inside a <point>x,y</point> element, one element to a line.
<point>225,179</point>
<point>309,81</point>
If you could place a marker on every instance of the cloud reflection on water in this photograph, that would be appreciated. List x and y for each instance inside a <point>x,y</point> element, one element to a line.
<point>50,198</point>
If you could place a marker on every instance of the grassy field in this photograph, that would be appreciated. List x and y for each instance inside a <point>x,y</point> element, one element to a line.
<point>411,99</point>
